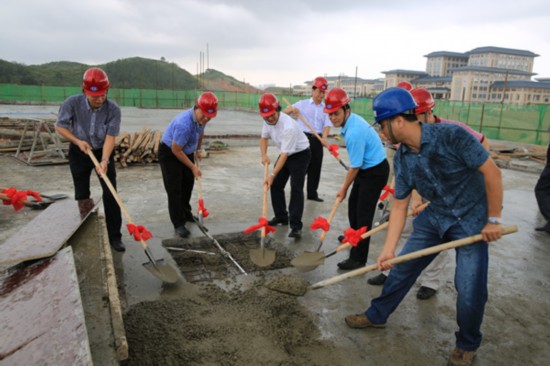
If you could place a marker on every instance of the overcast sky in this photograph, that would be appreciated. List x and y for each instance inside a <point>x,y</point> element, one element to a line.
<point>281,42</point>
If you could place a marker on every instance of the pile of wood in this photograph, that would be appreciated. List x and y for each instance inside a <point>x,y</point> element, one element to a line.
<point>505,153</point>
<point>137,147</point>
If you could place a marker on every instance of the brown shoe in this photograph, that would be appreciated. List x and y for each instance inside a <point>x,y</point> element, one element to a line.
<point>459,357</point>
<point>360,321</point>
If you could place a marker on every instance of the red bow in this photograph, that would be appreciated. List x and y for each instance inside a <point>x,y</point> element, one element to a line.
<point>17,198</point>
<point>387,191</point>
<point>354,236</point>
<point>202,208</point>
<point>320,223</point>
<point>262,222</point>
<point>334,150</point>
<point>139,232</point>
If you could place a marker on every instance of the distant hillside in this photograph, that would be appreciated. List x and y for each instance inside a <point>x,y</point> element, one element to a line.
<point>216,80</point>
<point>134,72</point>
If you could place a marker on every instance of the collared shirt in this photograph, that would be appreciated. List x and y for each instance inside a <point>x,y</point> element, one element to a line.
<point>313,114</point>
<point>286,134</point>
<point>184,130</point>
<point>478,135</point>
<point>445,172</point>
<point>364,146</point>
<point>87,124</point>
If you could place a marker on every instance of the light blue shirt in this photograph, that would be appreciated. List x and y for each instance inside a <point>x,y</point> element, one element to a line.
<point>364,146</point>
<point>185,131</point>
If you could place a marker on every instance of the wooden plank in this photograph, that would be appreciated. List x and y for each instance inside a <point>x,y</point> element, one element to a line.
<point>45,234</point>
<point>41,316</point>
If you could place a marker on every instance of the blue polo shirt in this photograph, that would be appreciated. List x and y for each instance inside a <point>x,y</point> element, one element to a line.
<point>364,146</point>
<point>445,172</point>
<point>185,131</point>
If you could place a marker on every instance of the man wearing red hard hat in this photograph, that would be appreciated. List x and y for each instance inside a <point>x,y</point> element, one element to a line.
<point>90,121</point>
<point>177,153</point>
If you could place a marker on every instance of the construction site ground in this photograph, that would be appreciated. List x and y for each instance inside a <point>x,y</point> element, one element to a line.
<point>238,320</point>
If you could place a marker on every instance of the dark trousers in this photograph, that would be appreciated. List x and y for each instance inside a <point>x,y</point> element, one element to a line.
<point>81,169</point>
<point>178,183</point>
<point>542,192</point>
<point>365,192</point>
<point>295,168</point>
<point>314,169</point>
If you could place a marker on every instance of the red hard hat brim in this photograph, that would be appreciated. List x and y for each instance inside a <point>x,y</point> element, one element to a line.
<point>95,93</point>
<point>209,115</point>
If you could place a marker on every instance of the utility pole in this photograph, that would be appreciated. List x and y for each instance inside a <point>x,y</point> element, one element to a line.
<point>207,58</point>
<point>355,84</point>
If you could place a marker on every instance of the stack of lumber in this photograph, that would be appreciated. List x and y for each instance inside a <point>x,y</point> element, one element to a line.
<point>530,152</point>
<point>137,147</point>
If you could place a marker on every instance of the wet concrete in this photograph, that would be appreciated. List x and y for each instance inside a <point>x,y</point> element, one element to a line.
<point>516,327</point>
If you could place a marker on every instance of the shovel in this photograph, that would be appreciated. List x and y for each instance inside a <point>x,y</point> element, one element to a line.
<point>261,256</point>
<point>300,262</point>
<point>309,261</point>
<point>35,205</point>
<point>163,271</point>
<point>409,256</point>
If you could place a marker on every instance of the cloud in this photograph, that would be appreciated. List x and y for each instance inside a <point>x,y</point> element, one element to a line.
<point>281,42</point>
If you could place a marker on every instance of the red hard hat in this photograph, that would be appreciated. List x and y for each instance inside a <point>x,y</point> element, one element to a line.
<point>335,99</point>
<point>268,104</point>
<point>405,85</point>
<point>321,83</point>
<point>424,99</point>
<point>95,82</point>
<point>208,104</point>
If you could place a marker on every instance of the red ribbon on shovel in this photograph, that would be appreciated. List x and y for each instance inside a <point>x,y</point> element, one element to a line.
<point>320,223</point>
<point>334,150</point>
<point>354,236</point>
<point>139,232</point>
<point>17,198</point>
<point>202,208</point>
<point>262,222</point>
<point>387,191</point>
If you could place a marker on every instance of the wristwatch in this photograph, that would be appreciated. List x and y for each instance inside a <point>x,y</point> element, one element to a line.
<point>494,220</point>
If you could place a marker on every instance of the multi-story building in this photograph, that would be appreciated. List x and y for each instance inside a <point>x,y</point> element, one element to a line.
<point>484,74</point>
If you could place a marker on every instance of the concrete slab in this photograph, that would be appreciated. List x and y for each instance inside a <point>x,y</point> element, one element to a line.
<point>516,327</point>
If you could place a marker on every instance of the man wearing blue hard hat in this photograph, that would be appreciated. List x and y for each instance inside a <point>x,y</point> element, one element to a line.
<point>452,170</point>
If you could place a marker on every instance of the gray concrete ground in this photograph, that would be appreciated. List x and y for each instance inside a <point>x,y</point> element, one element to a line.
<point>516,326</point>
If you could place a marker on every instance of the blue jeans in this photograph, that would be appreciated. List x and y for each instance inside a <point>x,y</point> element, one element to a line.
<point>470,280</point>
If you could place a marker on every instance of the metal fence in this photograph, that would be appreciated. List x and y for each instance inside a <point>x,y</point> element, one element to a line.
<point>508,122</point>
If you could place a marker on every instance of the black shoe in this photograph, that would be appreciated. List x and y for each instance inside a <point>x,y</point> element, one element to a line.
<point>350,264</point>
<point>295,233</point>
<point>341,238</point>
<point>275,221</point>
<point>316,199</point>
<point>182,231</point>
<point>424,293</point>
<point>378,280</point>
<point>544,228</point>
<point>118,245</point>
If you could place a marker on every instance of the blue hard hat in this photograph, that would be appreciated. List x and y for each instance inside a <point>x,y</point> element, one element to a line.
<point>391,102</point>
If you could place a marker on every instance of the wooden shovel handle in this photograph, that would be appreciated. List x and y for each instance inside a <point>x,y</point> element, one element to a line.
<point>114,193</point>
<point>407,257</point>
<point>330,217</point>
<point>264,202</point>
<point>315,133</point>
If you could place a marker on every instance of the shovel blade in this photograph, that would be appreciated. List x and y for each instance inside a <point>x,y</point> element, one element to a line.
<point>163,271</point>
<point>308,261</point>
<point>262,257</point>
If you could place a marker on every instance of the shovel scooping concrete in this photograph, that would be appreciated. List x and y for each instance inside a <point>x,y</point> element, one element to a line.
<point>163,271</point>
<point>309,261</point>
<point>262,256</point>
<point>301,261</point>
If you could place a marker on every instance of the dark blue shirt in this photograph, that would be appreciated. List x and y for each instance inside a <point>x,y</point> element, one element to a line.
<point>445,172</point>
<point>185,131</point>
<point>87,124</point>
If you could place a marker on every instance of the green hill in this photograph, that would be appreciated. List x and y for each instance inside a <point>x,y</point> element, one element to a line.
<point>134,72</point>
